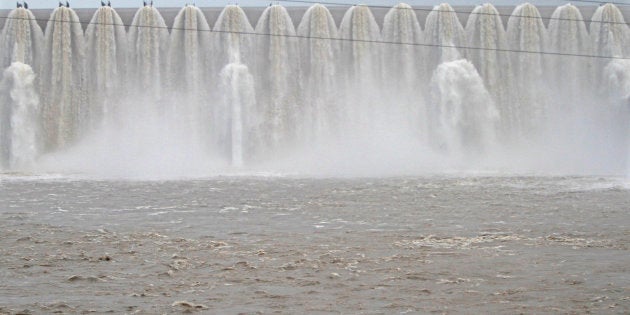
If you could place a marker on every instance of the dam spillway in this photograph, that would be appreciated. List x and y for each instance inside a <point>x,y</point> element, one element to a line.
<point>435,88</point>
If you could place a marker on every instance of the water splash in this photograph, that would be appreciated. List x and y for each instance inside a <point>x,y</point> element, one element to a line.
<point>463,110</point>
<point>21,39</point>
<point>19,107</point>
<point>526,35</point>
<point>61,78</point>
<point>319,70</point>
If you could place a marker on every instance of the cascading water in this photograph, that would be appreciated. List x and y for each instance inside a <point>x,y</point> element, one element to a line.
<point>145,102</point>
<point>321,108</point>
<point>567,34</point>
<point>443,32</point>
<point>484,30</point>
<point>105,65</point>
<point>360,59</point>
<point>617,81</point>
<point>235,119</point>
<point>277,79</point>
<point>526,36</point>
<point>19,107</point>
<point>189,65</point>
<point>463,109</point>
<point>609,34</point>
<point>148,55</point>
<point>61,78</point>
<point>21,39</point>
<point>404,69</point>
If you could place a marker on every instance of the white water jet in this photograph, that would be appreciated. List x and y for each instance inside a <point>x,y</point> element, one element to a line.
<point>148,54</point>
<point>21,39</point>
<point>443,33</point>
<point>318,49</point>
<point>238,112</point>
<point>277,79</point>
<point>61,78</point>
<point>526,37</point>
<point>19,110</point>
<point>617,81</point>
<point>464,114</point>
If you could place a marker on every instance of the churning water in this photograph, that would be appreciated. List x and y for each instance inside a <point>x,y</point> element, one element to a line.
<point>313,97</point>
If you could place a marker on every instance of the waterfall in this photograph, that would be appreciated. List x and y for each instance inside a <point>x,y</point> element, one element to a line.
<point>318,72</point>
<point>360,59</point>
<point>279,94</point>
<point>443,31</point>
<point>484,30</point>
<point>235,119</point>
<point>277,78</point>
<point>526,35</point>
<point>19,106</point>
<point>566,75</point>
<point>404,70</point>
<point>189,65</point>
<point>21,39</point>
<point>609,35</point>
<point>61,78</point>
<point>617,82</point>
<point>238,110</point>
<point>105,65</point>
<point>462,108</point>
<point>148,55</point>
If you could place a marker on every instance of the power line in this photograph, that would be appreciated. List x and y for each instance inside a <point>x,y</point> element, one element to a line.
<point>469,13</point>
<point>337,39</point>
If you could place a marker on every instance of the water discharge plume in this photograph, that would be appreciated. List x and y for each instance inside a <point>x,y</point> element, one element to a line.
<point>359,62</point>
<point>234,118</point>
<point>19,111</point>
<point>526,35</point>
<point>148,54</point>
<point>464,116</point>
<point>609,35</point>
<point>61,79</point>
<point>21,39</point>
<point>567,34</point>
<point>277,79</point>
<point>319,74</point>
<point>105,66</point>
<point>484,30</point>
<point>617,82</point>
<point>239,131</point>
<point>404,70</point>
<point>189,68</point>
<point>443,32</point>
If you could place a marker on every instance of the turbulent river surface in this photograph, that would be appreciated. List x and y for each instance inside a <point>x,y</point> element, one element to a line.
<point>432,244</point>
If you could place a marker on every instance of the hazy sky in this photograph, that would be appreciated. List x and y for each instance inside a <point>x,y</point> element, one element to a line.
<point>44,4</point>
